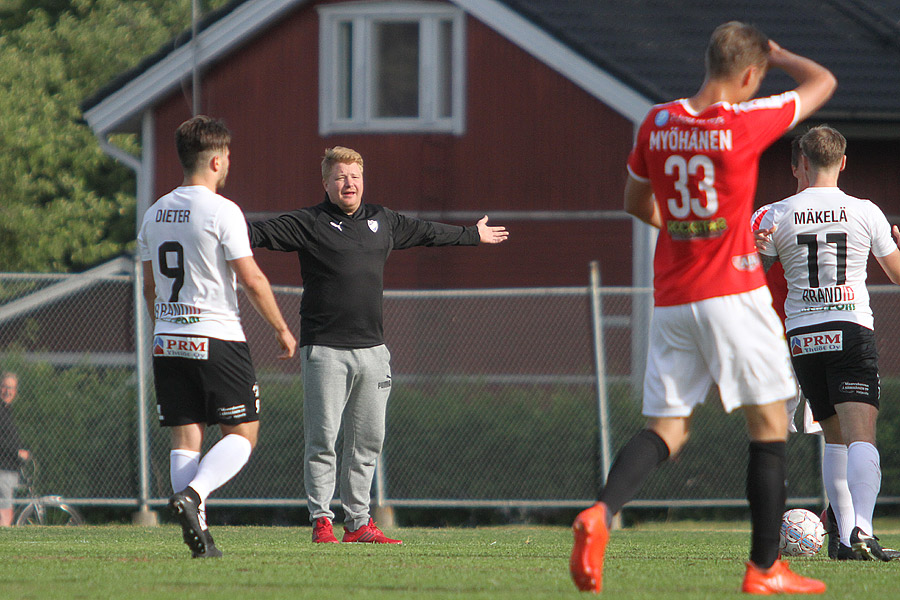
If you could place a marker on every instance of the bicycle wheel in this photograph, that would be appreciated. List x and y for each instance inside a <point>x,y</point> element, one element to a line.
<point>51,513</point>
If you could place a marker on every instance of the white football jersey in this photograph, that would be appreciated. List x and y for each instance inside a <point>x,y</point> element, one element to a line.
<point>189,234</point>
<point>823,238</point>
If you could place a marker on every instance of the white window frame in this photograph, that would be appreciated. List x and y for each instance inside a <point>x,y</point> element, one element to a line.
<point>363,17</point>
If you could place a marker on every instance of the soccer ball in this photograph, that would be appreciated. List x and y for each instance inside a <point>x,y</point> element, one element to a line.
<point>802,533</point>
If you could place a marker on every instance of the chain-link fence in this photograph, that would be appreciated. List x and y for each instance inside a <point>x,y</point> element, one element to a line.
<point>499,399</point>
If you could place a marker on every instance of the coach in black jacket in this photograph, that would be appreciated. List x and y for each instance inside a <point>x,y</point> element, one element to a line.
<point>342,245</point>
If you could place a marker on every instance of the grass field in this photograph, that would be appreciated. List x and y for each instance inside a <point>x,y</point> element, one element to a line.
<point>680,560</point>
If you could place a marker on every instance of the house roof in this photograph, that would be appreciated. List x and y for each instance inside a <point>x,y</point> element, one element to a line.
<point>655,45</point>
<point>628,53</point>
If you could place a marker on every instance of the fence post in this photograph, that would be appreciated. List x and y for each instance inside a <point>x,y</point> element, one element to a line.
<point>382,512</point>
<point>603,442</point>
<point>144,516</point>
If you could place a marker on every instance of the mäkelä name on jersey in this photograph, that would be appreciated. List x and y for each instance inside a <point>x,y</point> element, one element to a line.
<point>811,217</point>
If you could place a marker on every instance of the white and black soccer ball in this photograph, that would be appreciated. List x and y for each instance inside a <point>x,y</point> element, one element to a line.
<point>802,533</point>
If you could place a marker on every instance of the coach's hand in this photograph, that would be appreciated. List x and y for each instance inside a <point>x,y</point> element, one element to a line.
<point>490,235</point>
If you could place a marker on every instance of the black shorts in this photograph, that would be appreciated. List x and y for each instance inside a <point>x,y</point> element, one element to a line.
<point>203,380</point>
<point>835,362</point>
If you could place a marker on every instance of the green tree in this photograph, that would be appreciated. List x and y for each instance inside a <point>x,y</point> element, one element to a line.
<point>64,205</point>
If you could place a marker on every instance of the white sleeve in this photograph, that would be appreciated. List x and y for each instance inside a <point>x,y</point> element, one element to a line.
<point>232,229</point>
<point>764,218</point>
<point>882,241</point>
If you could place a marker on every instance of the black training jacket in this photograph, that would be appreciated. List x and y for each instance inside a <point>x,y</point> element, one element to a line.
<point>342,264</point>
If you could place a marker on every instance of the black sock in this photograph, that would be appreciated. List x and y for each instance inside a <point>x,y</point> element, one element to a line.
<point>634,463</point>
<point>767,494</point>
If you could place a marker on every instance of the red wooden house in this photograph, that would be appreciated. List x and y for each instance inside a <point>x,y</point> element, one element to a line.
<point>520,109</point>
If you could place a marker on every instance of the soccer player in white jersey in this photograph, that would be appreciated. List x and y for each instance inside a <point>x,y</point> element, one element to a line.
<point>195,246</point>
<point>823,238</point>
<point>692,174</point>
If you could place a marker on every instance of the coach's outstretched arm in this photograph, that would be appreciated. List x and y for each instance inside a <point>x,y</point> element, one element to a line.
<point>260,294</point>
<point>816,84</point>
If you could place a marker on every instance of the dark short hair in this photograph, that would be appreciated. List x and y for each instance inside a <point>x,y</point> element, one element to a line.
<point>796,151</point>
<point>734,46</point>
<point>823,146</point>
<point>197,136</point>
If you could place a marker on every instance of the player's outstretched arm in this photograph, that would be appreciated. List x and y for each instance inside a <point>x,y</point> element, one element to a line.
<point>891,262</point>
<point>260,293</point>
<point>639,202</point>
<point>490,235</point>
<point>816,84</point>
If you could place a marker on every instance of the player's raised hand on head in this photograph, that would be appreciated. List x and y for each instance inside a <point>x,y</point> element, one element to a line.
<point>490,235</point>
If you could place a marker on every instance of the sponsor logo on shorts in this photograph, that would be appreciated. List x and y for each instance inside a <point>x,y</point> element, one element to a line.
<point>232,412</point>
<point>385,384</point>
<point>852,387</point>
<point>196,348</point>
<point>820,341</point>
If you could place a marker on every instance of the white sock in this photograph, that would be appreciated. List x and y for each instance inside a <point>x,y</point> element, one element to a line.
<point>221,463</point>
<point>834,475</point>
<point>864,480</point>
<point>182,469</point>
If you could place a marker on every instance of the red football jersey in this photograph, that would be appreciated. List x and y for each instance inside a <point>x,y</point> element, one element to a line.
<point>703,170</point>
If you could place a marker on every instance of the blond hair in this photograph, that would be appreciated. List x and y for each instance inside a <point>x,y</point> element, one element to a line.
<point>733,47</point>
<point>823,146</point>
<point>339,154</point>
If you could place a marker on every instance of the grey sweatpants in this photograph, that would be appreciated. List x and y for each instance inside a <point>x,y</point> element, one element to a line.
<point>352,385</point>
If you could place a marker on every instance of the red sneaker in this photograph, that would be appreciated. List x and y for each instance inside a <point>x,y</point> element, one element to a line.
<point>779,579</point>
<point>368,534</point>
<point>323,532</point>
<point>591,536</point>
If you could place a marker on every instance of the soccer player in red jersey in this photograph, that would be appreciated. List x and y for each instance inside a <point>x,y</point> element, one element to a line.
<point>692,174</point>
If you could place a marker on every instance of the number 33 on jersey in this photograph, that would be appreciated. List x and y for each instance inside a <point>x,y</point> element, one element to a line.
<point>703,170</point>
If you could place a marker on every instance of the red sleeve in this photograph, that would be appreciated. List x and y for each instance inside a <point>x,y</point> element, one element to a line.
<point>764,120</point>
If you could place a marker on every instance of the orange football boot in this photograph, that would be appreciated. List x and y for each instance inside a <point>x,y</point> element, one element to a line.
<point>591,535</point>
<point>779,579</point>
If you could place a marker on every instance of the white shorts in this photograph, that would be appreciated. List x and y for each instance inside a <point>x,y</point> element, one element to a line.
<point>736,341</point>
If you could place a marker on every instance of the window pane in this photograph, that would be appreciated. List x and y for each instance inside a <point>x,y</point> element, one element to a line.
<point>445,69</point>
<point>345,71</point>
<point>396,69</point>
